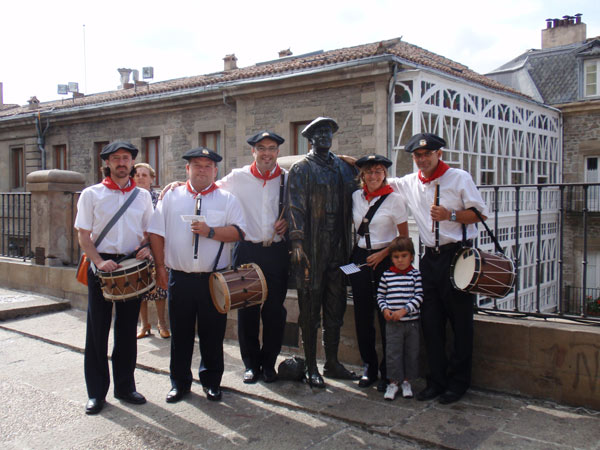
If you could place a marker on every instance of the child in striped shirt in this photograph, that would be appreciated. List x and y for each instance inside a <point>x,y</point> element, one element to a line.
<point>399,297</point>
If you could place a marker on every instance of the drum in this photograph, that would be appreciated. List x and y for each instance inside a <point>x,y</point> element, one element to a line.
<point>131,280</point>
<point>478,272</point>
<point>238,288</point>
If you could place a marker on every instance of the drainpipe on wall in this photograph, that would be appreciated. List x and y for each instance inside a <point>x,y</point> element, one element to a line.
<point>390,120</point>
<point>41,140</point>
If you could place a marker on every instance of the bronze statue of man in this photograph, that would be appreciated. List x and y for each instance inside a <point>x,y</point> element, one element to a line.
<point>320,213</point>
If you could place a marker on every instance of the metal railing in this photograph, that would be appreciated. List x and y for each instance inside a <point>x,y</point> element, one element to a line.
<point>544,229</point>
<point>15,225</point>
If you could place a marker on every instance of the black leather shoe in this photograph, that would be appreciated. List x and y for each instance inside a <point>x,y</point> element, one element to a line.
<point>366,381</point>
<point>449,397</point>
<point>269,375</point>
<point>251,376</point>
<point>213,394</point>
<point>94,406</point>
<point>314,379</point>
<point>382,385</point>
<point>176,394</point>
<point>338,371</point>
<point>428,393</point>
<point>135,398</point>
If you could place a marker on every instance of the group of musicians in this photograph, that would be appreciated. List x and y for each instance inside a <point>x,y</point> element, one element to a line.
<point>248,208</point>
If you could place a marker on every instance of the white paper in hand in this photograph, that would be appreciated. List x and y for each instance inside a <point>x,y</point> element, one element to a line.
<point>192,218</point>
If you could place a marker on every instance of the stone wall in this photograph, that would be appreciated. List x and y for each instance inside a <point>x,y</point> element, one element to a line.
<point>535,358</point>
<point>360,108</point>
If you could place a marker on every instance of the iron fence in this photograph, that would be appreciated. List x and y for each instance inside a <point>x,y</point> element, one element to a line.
<point>15,225</point>
<point>546,230</point>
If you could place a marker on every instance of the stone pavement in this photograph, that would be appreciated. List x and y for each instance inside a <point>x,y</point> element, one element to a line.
<point>43,392</point>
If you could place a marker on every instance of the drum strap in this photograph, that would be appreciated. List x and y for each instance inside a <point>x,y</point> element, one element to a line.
<point>116,217</point>
<point>499,249</point>
<point>281,193</point>
<point>239,230</point>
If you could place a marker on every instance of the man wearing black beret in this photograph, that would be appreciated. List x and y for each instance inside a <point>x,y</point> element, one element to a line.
<point>320,218</point>
<point>193,251</point>
<point>97,206</point>
<point>448,377</point>
<point>260,188</point>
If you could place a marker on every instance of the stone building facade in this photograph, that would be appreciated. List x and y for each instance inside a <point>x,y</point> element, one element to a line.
<point>565,73</point>
<point>380,94</point>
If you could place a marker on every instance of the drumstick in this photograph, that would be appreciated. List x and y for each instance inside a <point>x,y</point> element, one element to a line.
<point>196,237</point>
<point>133,254</point>
<point>437,223</point>
<point>270,241</point>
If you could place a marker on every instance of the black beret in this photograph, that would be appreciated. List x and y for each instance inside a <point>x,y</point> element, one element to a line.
<point>373,159</point>
<point>264,135</point>
<point>310,128</point>
<point>118,145</point>
<point>428,141</point>
<point>202,152</point>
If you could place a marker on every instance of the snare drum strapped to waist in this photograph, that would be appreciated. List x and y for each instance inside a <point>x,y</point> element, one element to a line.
<point>478,272</point>
<point>131,280</point>
<point>238,288</point>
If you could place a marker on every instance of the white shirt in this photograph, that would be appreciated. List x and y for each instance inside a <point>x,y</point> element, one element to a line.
<point>220,208</point>
<point>98,204</point>
<point>260,203</point>
<point>457,191</point>
<point>383,228</point>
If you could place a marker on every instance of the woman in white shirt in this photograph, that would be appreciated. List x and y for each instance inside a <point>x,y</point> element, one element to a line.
<point>372,240</point>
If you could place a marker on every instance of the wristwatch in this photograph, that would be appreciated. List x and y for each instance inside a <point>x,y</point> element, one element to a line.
<point>453,216</point>
<point>211,233</point>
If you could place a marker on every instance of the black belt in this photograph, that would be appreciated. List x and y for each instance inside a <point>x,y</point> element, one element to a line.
<point>447,247</point>
<point>113,256</point>
<point>191,274</point>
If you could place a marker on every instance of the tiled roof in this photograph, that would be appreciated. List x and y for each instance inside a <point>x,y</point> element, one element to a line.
<point>555,71</point>
<point>288,65</point>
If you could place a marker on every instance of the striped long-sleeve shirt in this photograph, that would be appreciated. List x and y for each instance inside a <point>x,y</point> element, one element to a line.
<point>398,291</point>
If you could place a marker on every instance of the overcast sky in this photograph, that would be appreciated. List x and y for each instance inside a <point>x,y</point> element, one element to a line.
<point>42,43</point>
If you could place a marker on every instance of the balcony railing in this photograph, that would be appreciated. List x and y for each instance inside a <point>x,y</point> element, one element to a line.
<point>545,229</point>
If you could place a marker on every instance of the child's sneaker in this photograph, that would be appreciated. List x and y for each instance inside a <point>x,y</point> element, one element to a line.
<point>391,391</point>
<point>406,390</point>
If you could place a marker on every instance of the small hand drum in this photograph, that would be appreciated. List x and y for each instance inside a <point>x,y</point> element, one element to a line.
<point>131,280</point>
<point>238,288</point>
<point>478,272</point>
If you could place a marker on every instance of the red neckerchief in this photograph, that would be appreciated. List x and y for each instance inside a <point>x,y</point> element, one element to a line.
<point>109,183</point>
<point>208,190</point>
<point>439,171</point>
<point>387,189</point>
<point>401,272</point>
<point>267,176</point>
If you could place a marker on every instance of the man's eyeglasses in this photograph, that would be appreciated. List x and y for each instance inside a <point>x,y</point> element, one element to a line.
<point>262,149</point>
<point>424,154</point>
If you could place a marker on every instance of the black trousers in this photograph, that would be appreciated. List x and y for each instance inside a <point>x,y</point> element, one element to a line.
<point>443,304</point>
<point>124,354</point>
<point>364,293</point>
<point>274,262</point>
<point>190,303</point>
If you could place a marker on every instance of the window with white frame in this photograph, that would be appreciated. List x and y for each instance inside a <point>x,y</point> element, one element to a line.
<point>591,78</point>
<point>591,176</point>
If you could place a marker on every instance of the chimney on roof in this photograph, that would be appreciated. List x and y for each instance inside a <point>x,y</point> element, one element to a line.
<point>284,53</point>
<point>33,102</point>
<point>565,31</point>
<point>125,84</point>
<point>230,62</point>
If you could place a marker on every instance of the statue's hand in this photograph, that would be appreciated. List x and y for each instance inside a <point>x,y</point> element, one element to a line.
<point>298,255</point>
